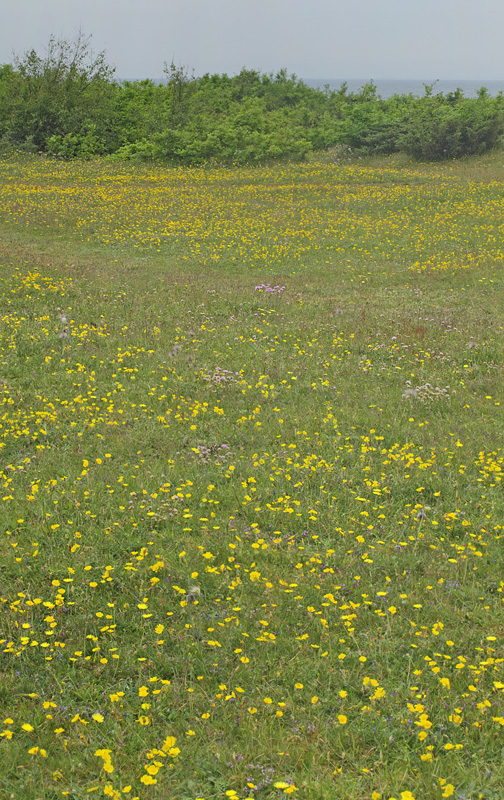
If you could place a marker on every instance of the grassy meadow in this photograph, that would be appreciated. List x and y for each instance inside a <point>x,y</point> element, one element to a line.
<point>251,445</point>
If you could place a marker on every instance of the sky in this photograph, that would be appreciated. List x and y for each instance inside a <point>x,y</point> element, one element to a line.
<point>368,39</point>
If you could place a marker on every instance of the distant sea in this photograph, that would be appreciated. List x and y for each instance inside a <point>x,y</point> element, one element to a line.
<point>387,88</point>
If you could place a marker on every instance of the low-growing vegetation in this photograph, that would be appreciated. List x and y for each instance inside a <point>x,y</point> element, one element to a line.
<point>251,457</point>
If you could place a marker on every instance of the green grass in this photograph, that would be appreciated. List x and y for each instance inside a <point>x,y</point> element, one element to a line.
<point>245,551</point>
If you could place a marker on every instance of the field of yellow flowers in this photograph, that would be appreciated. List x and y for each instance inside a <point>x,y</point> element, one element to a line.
<point>251,455</point>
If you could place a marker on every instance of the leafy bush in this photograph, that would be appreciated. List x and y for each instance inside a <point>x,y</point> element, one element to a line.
<point>445,130</point>
<point>75,145</point>
<point>68,105</point>
<point>247,134</point>
<point>370,125</point>
<point>68,90</point>
<point>140,110</point>
<point>141,150</point>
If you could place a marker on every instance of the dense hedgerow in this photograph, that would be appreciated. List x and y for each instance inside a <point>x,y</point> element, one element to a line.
<point>440,130</point>
<point>69,105</point>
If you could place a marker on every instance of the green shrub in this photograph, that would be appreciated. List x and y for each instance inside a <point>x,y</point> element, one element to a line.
<point>447,130</point>
<point>62,94</point>
<point>141,150</point>
<point>68,105</point>
<point>247,134</point>
<point>75,145</point>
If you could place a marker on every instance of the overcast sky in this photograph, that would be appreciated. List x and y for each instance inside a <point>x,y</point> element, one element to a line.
<point>369,39</point>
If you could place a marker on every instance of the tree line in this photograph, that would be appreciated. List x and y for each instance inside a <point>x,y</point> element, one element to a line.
<point>68,104</point>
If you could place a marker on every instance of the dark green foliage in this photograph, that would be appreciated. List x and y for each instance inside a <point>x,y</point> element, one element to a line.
<point>75,145</point>
<point>452,127</point>
<point>140,110</point>
<point>371,125</point>
<point>246,134</point>
<point>68,105</point>
<point>67,92</point>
